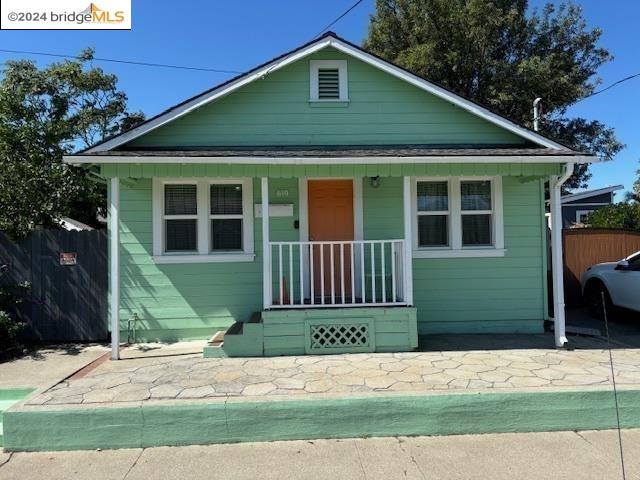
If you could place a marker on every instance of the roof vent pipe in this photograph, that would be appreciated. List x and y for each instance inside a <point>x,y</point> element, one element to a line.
<point>537,109</point>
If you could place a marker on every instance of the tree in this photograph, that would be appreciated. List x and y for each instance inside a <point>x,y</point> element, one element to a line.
<point>45,114</point>
<point>620,215</point>
<point>501,55</point>
<point>634,194</point>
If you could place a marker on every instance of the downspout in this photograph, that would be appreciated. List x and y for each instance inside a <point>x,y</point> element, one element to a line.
<point>555,193</point>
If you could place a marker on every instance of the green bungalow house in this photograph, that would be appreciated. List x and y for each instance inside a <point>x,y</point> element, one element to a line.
<point>329,201</point>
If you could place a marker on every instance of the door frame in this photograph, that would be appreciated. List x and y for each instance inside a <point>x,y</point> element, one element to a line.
<point>303,218</point>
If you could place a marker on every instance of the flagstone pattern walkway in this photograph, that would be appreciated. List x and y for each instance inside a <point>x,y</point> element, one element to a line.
<point>191,377</point>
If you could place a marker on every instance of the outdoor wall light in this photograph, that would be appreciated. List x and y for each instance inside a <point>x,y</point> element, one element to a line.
<point>375,182</point>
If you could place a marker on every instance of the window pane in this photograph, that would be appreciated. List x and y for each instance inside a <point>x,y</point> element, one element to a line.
<point>226,234</point>
<point>181,235</point>
<point>476,195</point>
<point>476,230</point>
<point>180,200</point>
<point>433,231</point>
<point>226,199</point>
<point>432,196</point>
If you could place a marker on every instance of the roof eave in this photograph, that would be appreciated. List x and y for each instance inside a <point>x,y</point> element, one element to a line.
<point>107,159</point>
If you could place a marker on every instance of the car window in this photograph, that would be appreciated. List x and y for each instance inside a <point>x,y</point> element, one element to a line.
<point>634,262</point>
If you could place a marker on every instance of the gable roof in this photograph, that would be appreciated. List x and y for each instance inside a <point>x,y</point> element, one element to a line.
<point>329,39</point>
<point>572,197</point>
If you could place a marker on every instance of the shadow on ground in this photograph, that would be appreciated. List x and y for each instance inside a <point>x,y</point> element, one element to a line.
<point>624,331</point>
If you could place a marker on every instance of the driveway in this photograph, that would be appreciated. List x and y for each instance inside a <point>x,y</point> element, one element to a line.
<point>624,325</point>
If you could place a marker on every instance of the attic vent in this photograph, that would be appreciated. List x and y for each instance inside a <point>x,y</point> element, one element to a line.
<point>328,83</point>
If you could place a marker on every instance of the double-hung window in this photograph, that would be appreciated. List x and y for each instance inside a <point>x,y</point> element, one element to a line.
<point>203,220</point>
<point>458,217</point>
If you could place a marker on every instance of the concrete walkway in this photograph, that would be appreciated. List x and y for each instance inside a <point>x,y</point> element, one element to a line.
<point>558,455</point>
<point>44,367</point>
<point>193,377</point>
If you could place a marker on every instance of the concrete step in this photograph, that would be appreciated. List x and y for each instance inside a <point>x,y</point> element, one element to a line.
<point>214,349</point>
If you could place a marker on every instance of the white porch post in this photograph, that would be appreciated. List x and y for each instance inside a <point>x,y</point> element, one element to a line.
<point>408,243</point>
<point>555,188</point>
<point>114,267</point>
<point>266,249</point>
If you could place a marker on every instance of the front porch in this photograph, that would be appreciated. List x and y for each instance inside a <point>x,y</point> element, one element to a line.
<point>381,252</point>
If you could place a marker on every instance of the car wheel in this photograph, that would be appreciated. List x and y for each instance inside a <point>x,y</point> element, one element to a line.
<point>593,297</point>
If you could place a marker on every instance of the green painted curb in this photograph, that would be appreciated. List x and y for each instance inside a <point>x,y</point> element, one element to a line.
<point>15,393</point>
<point>206,423</point>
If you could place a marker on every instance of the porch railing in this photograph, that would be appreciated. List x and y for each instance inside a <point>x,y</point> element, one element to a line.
<point>320,274</point>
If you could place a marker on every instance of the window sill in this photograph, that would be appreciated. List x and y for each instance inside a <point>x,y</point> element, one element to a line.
<point>466,253</point>
<point>328,103</point>
<point>213,258</point>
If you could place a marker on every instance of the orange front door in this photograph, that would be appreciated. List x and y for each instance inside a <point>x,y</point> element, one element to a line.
<point>331,218</point>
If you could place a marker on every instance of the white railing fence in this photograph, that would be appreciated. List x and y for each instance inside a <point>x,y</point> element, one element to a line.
<point>337,273</point>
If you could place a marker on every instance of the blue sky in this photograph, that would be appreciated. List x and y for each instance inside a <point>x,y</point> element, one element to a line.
<point>238,35</point>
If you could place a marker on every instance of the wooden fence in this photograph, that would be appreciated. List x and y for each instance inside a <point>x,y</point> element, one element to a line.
<point>68,274</point>
<point>584,247</point>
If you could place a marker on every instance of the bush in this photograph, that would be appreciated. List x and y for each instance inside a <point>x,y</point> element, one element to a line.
<point>10,297</point>
<point>620,215</point>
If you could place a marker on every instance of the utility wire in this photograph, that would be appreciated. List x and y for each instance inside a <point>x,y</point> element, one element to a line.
<point>338,19</point>
<point>128,62</point>
<point>613,380</point>
<point>630,77</point>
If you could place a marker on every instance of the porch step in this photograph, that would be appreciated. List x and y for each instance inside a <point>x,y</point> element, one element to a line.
<point>242,339</point>
<point>214,349</point>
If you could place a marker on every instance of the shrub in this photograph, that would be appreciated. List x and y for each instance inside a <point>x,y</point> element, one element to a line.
<point>620,215</point>
<point>10,297</point>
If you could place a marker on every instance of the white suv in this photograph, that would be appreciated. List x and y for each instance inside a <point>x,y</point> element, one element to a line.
<point>619,281</point>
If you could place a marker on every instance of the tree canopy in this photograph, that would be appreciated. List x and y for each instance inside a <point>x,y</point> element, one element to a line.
<point>621,215</point>
<point>503,55</point>
<point>634,194</point>
<point>46,113</point>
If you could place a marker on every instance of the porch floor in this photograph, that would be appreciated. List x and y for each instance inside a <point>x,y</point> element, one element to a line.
<point>532,368</point>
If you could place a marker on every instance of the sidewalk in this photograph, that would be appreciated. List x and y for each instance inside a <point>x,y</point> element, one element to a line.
<point>560,455</point>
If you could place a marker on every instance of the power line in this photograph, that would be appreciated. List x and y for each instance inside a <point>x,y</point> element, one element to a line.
<point>129,62</point>
<point>630,77</point>
<point>338,19</point>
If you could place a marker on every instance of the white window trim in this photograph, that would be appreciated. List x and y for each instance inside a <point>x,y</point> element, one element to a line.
<point>341,65</point>
<point>455,248</point>
<point>204,253</point>
<point>579,213</point>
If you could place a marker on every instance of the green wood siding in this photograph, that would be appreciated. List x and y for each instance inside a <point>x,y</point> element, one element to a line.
<point>390,329</point>
<point>276,111</point>
<point>193,300</point>
<point>474,295</point>
<point>149,170</point>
